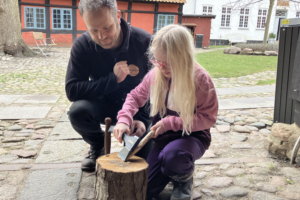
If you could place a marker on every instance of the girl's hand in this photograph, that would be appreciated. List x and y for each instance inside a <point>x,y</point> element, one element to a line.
<point>119,130</point>
<point>158,128</point>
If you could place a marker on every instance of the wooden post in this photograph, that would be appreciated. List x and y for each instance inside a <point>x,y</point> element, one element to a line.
<point>118,180</point>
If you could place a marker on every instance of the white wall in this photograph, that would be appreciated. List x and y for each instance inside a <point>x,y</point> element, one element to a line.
<point>218,32</point>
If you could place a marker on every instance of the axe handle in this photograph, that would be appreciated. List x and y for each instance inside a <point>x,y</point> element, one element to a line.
<point>142,143</point>
<point>107,139</point>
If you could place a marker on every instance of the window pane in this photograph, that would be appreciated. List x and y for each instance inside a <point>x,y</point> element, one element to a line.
<point>241,21</point>
<point>246,22</point>
<point>265,12</point>
<point>259,12</point>
<point>247,12</point>
<point>223,10</point>
<point>228,10</point>
<point>228,20</point>
<point>204,9</point>
<point>242,11</point>
<point>258,22</point>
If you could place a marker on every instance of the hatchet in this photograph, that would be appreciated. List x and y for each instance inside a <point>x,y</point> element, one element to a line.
<point>132,145</point>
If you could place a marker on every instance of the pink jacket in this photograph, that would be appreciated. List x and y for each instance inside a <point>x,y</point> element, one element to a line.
<point>207,103</point>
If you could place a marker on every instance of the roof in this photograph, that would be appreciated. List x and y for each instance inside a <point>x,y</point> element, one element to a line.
<point>203,16</point>
<point>168,1</point>
<point>189,24</point>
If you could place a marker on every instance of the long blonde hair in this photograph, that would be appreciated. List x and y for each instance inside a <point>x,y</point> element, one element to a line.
<point>177,42</point>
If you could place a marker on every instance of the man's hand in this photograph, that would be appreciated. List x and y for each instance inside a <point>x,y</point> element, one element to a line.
<point>121,70</point>
<point>158,128</point>
<point>119,129</point>
<point>140,128</point>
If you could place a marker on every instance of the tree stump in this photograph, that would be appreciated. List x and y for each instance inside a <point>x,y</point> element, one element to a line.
<point>118,180</point>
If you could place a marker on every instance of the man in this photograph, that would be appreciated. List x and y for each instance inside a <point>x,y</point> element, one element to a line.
<point>106,63</point>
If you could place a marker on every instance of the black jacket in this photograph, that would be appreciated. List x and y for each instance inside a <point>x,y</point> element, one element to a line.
<point>90,69</point>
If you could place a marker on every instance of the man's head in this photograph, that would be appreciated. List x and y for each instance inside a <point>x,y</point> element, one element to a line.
<point>102,20</point>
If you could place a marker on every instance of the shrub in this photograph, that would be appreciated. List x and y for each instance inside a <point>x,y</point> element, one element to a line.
<point>272,35</point>
<point>259,47</point>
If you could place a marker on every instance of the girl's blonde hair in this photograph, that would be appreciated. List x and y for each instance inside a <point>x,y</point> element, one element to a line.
<point>177,42</point>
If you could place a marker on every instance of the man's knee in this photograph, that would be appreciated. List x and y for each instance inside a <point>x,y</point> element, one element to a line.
<point>79,110</point>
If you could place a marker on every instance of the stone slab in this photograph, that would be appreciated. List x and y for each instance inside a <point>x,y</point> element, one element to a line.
<point>62,152</point>
<point>64,117</point>
<point>246,90</point>
<point>242,103</point>
<point>8,98</point>
<point>24,112</point>
<point>38,99</point>
<point>229,160</point>
<point>52,184</point>
<point>63,131</point>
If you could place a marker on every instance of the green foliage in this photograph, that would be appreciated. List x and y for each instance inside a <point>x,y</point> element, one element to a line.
<point>289,181</point>
<point>218,46</point>
<point>272,35</point>
<point>259,47</point>
<point>220,65</point>
<point>266,82</point>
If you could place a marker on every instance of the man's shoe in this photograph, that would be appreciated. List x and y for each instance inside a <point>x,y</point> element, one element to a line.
<point>89,163</point>
<point>182,190</point>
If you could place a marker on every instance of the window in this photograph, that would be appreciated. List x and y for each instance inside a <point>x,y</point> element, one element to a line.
<point>34,17</point>
<point>297,14</point>
<point>207,10</point>
<point>261,19</point>
<point>226,14</point>
<point>62,19</point>
<point>244,18</point>
<point>164,20</point>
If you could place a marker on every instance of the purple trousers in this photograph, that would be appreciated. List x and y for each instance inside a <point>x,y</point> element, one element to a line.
<point>177,157</point>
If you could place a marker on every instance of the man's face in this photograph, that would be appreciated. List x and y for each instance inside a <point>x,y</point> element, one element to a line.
<point>103,26</point>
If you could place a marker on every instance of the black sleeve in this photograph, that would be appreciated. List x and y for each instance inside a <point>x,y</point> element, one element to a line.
<point>78,86</point>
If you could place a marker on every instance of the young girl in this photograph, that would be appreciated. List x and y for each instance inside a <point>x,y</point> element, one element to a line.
<point>184,107</point>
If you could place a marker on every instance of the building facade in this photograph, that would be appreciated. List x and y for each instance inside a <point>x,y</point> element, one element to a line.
<point>241,23</point>
<point>61,20</point>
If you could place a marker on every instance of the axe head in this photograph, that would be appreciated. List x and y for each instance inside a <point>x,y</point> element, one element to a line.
<point>130,144</point>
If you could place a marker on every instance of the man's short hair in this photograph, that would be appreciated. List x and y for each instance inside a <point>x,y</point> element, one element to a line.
<point>92,5</point>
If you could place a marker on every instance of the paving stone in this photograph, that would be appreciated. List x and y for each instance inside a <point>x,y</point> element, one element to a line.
<point>291,173</point>
<point>24,112</point>
<point>238,119</point>
<point>30,126</point>
<point>264,131</point>
<point>241,146</point>
<point>3,175</point>
<point>13,139</point>
<point>38,99</point>
<point>258,125</point>
<point>266,187</point>
<point>12,144</point>
<point>241,129</point>
<point>21,161</point>
<point>4,124</point>
<point>265,196</point>
<point>197,183</point>
<point>270,123</point>
<point>221,123</point>
<point>239,138</point>
<point>209,154</point>
<point>42,126</point>
<point>207,192</point>
<point>259,170</point>
<point>251,120</point>
<point>229,120</point>
<point>224,166</point>
<point>277,181</point>
<point>22,135</point>
<point>196,195</point>
<point>219,182</point>
<point>243,182</point>
<point>234,192</point>
<point>201,175</point>
<point>15,178</point>
<point>37,137</point>
<point>223,128</point>
<point>33,142</point>
<point>7,158</point>
<point>241,123</point>
<point>14,128</point>
<point>209,168</point>
<point>8,98</point>
<point>8,192</point>
<point>221,117</point>
<point>291,192</point>
<point>62,151</point>
<point>87,194</point>
<point>52,184</point>
<point>23,154</point>
<point>235,172</point>
<point>45,122</point>
<point>9,134</point>
<point>213,130</point>
<point>62,131</point>
<point>26,131</point>
<point>1,133</point>
<point>54,115</point>
<point>64,117</point>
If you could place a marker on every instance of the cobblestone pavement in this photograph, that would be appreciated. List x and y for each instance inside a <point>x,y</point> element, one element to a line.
<point>237,166</point>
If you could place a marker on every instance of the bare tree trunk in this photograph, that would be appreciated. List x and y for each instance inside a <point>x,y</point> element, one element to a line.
<point>11,41</point>
<point>268,21</point>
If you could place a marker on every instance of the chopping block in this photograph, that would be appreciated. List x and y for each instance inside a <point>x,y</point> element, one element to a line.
<point>119,180</point>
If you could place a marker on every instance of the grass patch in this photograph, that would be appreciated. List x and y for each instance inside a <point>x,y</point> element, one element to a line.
<point>266,82</point>
<point>289,181</point>
<point>218,46</point>
<point>220,65</point>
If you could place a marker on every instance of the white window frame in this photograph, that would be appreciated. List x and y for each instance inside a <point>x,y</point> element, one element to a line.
<point>244,18</point>
<point>298,14</point>
<point>226,17</point>
<point>207,8</point>
<point>261,18</point>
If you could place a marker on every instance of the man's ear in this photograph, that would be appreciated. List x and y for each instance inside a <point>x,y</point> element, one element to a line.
<point>119,16</point>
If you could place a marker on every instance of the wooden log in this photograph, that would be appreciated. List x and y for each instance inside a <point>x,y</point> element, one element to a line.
<point>118,180</point>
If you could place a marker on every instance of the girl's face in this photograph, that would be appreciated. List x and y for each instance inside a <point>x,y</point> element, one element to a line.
<point>159,60</point>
